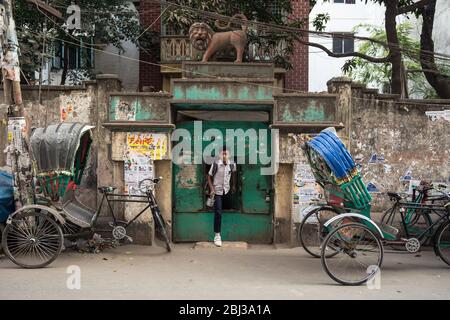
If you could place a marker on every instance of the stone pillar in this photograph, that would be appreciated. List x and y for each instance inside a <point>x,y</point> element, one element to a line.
<point>108,171</point>
<point>163,168</point>
<point>342,86</point>
<point>283,231</point>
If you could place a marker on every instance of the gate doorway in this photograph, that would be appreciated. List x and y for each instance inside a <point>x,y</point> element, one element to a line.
<point>248,217</point>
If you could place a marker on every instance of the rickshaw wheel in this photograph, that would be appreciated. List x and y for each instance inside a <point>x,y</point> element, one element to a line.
<point>318,217</point>
<point>32,239</point>
<point>2,228</point>
<point>359,254</point>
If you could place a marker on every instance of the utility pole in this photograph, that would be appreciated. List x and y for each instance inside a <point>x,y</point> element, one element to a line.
<point>18,128</point>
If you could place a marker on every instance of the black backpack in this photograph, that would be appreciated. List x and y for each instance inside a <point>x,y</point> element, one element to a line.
<point>214,171</point>
<point>216,167</point>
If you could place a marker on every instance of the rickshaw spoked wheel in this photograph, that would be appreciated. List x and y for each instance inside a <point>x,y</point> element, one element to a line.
<point>311,241</point>
<point>2,228</point>
<point>32,239</point>
<point>359,254</point>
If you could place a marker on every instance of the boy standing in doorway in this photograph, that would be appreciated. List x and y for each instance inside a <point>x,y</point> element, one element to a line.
<point>220,177</point>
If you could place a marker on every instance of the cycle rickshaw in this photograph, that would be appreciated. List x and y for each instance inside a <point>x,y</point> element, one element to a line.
<point>34,235</point>
<point>351,248</point>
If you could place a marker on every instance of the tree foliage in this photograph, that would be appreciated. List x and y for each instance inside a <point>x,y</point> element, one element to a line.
<point>106,21</point>
<point>390,53</point>
<point>379,74</point>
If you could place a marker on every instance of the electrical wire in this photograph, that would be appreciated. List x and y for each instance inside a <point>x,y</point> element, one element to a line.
<point>312,34</point>
<point>234,80</point>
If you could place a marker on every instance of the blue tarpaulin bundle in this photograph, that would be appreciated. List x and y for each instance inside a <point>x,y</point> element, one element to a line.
<point>333,151</point>
<point>6,195</point>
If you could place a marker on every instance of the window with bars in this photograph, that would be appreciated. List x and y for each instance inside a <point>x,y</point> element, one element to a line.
<point>343,43</point>
<point>78,56</point>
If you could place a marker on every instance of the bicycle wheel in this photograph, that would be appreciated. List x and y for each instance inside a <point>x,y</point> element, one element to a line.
<point>32,240</point>
<point>359,254</point>
<point>311,233</point>
<point>161,230</point>
<point>442,242</point>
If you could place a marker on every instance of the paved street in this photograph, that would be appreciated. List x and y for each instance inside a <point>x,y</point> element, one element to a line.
<point>260,272</point>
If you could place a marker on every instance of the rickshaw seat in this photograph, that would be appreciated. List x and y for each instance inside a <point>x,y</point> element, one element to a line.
<point>394,195</point>
<point>76,211</point>
<point>107,189</point>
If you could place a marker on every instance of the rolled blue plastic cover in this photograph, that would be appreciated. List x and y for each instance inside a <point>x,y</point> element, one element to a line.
<point>6,195</point>
<point>328,145</point>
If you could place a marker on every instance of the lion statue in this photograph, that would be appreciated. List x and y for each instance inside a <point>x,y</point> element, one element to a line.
<point>203,38</point>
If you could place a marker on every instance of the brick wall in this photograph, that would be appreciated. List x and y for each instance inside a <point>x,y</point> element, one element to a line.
<point>298,77</point>
<point>150,75</point>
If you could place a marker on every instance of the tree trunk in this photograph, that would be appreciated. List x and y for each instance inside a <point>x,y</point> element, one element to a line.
<point>393,44</point>
<point>440,82</point>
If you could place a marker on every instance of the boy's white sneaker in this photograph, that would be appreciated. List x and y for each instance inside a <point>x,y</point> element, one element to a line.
<point>218,240</point>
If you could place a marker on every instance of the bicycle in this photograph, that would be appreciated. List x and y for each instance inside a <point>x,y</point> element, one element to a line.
<point>412,221</point>
<point>353,246</point>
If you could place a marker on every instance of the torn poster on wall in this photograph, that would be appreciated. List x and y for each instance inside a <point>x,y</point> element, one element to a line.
<point>16,130</point>
<point>136,169</point>
<point>126,111</point>
<point>75,108</point>
<point>439,115</point>
<point>372,188</point>
<point>305,189</point>
<point>154,146</point>
<point>374,158</point>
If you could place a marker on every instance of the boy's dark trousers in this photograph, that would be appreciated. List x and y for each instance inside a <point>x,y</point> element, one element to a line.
<point>219,202</point>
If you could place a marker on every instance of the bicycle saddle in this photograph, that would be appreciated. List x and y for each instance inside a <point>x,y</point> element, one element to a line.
<point>394,195</point>
<point>107,189</point>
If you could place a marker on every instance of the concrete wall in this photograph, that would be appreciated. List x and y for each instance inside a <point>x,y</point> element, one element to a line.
<point>395,140</point>
<point>410,143</point>
<point>79,105</point>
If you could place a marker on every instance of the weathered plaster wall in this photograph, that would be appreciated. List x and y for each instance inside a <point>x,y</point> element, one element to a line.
<point>406,142</point>
<point>79,104</point>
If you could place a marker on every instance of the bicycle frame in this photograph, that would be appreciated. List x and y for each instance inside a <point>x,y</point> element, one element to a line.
<point>110,197</point>
<point>438,210</point>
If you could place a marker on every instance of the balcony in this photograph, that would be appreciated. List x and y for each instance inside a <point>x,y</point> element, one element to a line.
<point>175,49</point>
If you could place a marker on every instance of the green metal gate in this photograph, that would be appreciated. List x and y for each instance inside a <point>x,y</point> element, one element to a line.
<point>249,220</point>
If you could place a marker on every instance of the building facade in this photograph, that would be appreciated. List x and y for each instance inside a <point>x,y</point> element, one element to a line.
<point>344,16</point>
<point>379,130</point>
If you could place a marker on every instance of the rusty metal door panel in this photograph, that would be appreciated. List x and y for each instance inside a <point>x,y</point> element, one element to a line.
<point>188,187</point>
<point>250,220</point>
<point>256,190</point>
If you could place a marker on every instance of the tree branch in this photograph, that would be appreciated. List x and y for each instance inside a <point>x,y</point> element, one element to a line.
<point>427,70</point>
<point>412,7</point>
<point>348,54</point>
